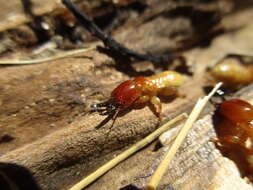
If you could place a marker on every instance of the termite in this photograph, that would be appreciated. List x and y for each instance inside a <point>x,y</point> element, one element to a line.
<point>232,72</point>
<point>140,91</point>
<point>233,122</point>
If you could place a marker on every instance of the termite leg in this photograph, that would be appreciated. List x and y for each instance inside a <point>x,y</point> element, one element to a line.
<point>216,141</point>
<point>222,142</point>
<point>171,91</point>
<point>142,100</point>
<point>156,102</point>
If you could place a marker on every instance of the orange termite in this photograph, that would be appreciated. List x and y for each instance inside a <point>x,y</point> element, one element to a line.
<point>233,73</point>
<point>233,122</point>
<point>139,91</point>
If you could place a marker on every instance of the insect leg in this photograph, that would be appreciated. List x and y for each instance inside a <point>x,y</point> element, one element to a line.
<point>155,101</point>
<point>142,100</point>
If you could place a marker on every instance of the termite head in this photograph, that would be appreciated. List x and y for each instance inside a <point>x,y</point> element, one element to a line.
<point>122,97</point>
<point>125,94</point>
<point>236,110</point>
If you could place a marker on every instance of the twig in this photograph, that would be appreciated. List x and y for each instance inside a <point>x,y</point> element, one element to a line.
<point>52,58</point>
<point>112,163</point>
<point>251,101</point>
<point>156,178</point>
<point>111,43</point>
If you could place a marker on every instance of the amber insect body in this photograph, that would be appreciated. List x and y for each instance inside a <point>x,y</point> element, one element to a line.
<point>234,126</point>
<point>141,90</point>
<point>233,73</point>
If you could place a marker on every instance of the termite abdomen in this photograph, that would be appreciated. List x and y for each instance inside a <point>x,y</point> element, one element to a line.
<point>232,72</point>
